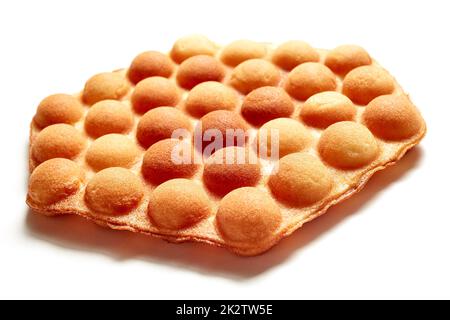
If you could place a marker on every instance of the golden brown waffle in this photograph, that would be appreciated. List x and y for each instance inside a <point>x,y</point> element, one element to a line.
<point>341,117</point>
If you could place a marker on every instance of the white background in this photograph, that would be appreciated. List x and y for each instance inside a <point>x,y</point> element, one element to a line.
<point>390,241</point>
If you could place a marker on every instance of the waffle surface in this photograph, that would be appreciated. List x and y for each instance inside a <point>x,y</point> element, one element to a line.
<point>104,153</point>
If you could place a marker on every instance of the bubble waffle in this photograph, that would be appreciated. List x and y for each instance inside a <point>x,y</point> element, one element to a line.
<point>105,153</point>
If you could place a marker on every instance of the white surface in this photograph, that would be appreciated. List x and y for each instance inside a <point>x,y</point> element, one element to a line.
<point>390,241</point>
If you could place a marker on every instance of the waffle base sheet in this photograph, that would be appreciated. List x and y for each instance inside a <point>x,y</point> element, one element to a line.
<point>345,181</point>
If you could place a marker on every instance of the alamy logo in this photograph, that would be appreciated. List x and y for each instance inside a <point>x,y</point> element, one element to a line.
<point>244,148</point>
